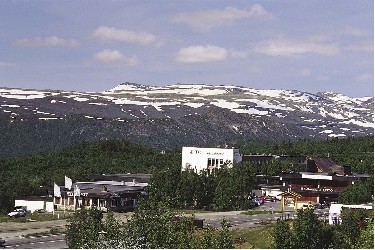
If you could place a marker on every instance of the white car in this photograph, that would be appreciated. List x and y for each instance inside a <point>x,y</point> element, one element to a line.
<point>17,213</point>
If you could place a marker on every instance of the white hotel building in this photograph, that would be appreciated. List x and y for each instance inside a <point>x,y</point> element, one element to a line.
<point>208,158</point>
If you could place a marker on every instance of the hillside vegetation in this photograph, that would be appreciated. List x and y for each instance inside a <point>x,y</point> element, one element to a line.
<point>25,175</point>
<point>355,152</point>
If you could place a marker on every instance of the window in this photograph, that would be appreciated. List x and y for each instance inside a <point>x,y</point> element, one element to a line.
<point>86,202</point>
<point>71,201</point>
<point>113,203</point>
<point>102,203</point>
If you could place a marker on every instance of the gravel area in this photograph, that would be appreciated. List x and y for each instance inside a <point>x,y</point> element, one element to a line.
<point>13,230</point>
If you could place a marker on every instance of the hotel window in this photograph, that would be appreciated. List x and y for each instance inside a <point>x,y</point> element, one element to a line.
<point>57,200</point>
<point>86,202</point>
<point>113,203</point>
<point>71,201</point>
<point>102,203</point>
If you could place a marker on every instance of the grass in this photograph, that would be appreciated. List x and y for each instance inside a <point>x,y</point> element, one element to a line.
<point>260,237</point>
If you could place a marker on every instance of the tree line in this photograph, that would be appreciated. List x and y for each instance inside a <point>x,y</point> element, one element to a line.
<point>152,226</point>
<point>308,232</point>
<point>31,174</point>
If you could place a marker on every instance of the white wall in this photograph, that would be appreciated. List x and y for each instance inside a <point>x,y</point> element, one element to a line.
<point>49,206</point>
<point>272,192</point>
<point>335,210</point>
<point>30,205</point>
<point>199,158</point>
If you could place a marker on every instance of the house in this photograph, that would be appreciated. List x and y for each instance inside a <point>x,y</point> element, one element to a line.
<point>199,159</point>
<point>114,192</point>
<point>336,209</point>
<point>33,203</point>
<point>323,182</point>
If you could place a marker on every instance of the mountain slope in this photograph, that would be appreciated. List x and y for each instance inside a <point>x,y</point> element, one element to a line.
<point>174,116</point>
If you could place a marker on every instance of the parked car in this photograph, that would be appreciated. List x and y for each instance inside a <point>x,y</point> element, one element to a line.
<point>39,211</point>
<point>19,212</point>
<point>320,206</point>
<point>307,206</point>
<point>270,198</point>
<point>256,201</point>
<point>2,243</point>
<point>261,199</point>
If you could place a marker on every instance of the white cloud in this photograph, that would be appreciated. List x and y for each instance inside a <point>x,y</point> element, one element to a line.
<point>301,72</point>
<point>361,47</point>
<point>239,53</point>
<point>114,57</point>
<point>204,21</point>
<point>6,64</point>
<point>198,54</point>
<point>290,47</point>
<point>354,31</point>
<point>323,78</point>
<point>364,77</point>
<point>47,41</point>
<point>122,35</point>
<point>339,34</point>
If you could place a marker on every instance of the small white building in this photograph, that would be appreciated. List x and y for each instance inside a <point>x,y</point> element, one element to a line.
<point>200,159</point>
<point>33,203</point>
<point>336,209</point>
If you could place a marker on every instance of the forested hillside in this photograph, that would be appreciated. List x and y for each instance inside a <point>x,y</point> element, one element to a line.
<point>25,175</point>
<point>355,152</point>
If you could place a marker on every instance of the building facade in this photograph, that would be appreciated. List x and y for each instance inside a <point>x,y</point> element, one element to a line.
<point>199,159</point>
<point>115,192</point>
<point>313,187</point>
<point>33,203</point>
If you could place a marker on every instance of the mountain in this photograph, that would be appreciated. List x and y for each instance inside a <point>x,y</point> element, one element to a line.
<point>174,116</point>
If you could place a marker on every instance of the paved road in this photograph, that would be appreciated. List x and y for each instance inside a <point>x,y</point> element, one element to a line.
<point>238,220</point>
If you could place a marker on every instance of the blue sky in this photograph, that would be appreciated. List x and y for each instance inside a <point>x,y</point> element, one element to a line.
<point>272,44</point>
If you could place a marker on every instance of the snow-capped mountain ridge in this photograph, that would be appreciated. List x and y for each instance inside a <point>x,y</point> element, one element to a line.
<point>195,113</point>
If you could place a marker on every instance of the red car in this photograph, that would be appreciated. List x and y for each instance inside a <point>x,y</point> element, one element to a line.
<point>270,198</point>
<point>261,199</point>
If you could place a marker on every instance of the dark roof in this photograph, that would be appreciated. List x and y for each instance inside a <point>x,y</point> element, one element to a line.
<point>327,165</point>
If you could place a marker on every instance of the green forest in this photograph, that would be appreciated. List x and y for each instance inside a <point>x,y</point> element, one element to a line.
<point>29,175</point>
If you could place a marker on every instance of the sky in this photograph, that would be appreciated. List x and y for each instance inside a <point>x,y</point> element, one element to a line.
<point>79,45</point>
